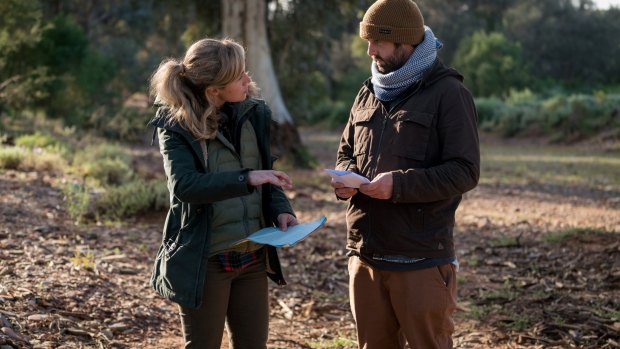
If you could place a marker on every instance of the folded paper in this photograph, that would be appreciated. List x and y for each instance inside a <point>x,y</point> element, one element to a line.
<point>275,237</point>
<point>348,178</point>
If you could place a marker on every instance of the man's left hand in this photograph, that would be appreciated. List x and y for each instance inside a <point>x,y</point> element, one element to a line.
<point>380,187</point>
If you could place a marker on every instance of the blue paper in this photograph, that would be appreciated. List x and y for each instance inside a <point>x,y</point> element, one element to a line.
<point>275,237</point>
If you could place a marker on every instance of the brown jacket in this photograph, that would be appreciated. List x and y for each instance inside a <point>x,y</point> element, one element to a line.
<point>429,141</point>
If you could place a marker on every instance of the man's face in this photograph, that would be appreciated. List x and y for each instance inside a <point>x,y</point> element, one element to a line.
<point>387,55</point>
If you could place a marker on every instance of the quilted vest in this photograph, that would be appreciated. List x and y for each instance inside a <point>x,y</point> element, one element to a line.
<point>235,218</point>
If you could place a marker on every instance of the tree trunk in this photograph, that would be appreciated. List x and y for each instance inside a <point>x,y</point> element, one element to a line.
<point>245,21</point>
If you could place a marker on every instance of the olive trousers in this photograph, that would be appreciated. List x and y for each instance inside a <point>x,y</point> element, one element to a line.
<point>393,308</point>
<point>237,299</point>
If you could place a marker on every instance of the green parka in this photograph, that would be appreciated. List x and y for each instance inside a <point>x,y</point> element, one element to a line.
<point>180,266</point>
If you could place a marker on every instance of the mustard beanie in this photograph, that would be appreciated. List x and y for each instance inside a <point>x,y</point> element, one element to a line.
<point>398,21</point>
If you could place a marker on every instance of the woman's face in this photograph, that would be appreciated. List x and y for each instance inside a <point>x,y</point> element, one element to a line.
<point>235,91</point>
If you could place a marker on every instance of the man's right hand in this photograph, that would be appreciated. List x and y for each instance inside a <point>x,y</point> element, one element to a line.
<point>341,191</point>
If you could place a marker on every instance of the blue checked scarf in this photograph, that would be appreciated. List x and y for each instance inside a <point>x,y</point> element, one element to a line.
<point>389,86</point>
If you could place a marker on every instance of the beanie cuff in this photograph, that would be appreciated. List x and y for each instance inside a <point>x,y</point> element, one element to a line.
<point>413,35</point>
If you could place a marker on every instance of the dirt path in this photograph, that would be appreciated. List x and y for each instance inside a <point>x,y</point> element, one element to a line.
<point>67,286</point>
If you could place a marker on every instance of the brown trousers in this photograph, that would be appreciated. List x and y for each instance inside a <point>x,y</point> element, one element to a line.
<point>237,298</point>
<point>392,308</point>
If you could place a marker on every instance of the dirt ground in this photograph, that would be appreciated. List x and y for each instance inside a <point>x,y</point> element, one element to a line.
<point>539,268</point>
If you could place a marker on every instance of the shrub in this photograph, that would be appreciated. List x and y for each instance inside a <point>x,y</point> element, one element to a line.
<point>131,199</point>
<point>106,171</point>
<point>489,111</point>
<point>36,140</point>
<point>43,161</point>
<point>43,141</point>
<point>563,117</point>
<point>491,63</point>
<point>11,157</point>
<point>128,124</point>
<point>77,200</point>
<point>331,113</point>
<point>106,164</point>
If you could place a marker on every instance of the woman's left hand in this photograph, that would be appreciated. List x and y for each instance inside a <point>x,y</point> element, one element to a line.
<point>286,220</point>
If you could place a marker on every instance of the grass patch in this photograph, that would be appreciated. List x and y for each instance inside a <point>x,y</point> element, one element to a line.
<point>83,260</point>
<point>606,311</point>
<point>510,164</point>
<point>504,241</point>
<point>471,260</point>
<point>506,293</point>
<point>339,342</point>
<point>565,234</point>
<point>77,200</point>
<point>518,323</point>
<point>479,312</point>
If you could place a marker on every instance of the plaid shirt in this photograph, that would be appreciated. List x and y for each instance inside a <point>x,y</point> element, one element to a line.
<point>233,260</point>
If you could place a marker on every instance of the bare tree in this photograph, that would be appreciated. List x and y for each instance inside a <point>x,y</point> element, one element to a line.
<point>245,20</point>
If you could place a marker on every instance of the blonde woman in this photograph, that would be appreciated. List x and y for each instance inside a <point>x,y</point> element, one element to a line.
<point>215,140</point>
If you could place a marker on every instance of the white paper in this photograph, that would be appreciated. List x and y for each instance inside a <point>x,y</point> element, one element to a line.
<point>348,178</point>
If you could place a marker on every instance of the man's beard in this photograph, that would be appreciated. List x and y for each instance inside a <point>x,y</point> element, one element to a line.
<point>392,63</point>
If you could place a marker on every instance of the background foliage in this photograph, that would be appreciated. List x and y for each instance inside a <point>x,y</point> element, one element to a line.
<point>88,64</point>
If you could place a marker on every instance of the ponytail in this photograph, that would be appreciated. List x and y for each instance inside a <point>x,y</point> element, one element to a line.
<point>181,85</point>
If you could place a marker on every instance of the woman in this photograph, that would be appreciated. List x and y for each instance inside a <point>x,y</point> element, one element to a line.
<point>215,141</point>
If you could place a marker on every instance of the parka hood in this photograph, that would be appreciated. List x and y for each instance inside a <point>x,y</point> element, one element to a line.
<point>162,116</point>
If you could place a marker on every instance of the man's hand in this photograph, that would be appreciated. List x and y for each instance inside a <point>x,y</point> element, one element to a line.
<point>286,220</point>
<point>380,187</point>
<point>341,191</point>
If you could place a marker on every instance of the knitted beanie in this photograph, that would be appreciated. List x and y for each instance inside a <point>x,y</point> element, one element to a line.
<point>398,21</point>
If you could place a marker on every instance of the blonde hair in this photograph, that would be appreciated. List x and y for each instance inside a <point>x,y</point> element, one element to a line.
<point>181,84</point>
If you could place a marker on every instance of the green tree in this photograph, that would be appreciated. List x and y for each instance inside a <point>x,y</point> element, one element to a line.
<point>567,43</point>
<point>491,64</point>
<point>21,79</point>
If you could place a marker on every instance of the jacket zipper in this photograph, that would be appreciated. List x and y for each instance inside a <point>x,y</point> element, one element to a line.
<point>236,141</point>
<point>374,170</point>
<point>388,114</point>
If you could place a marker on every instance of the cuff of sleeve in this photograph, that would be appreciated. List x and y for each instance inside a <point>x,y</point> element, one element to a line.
<point>397,192</point>
<point>244,176</point>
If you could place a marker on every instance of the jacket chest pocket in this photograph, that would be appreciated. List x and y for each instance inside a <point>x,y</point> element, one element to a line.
<point>364,133</point>
<point>413,130</point>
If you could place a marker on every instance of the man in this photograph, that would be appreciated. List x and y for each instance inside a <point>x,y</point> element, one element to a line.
<point>412,132</point>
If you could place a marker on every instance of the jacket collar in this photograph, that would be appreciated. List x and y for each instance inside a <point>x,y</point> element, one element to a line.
<point>162,120</point>
<point>162,116</point>
<point>435,73</point>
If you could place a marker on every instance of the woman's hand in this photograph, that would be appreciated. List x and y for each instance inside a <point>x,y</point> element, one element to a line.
<point>286,220</point>
<point>279,178</point>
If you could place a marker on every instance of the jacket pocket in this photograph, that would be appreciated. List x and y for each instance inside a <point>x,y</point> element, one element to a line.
<point>413,133</point>
<point>171,245</point>
<point>176,236</point>
<point>362,121</point>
